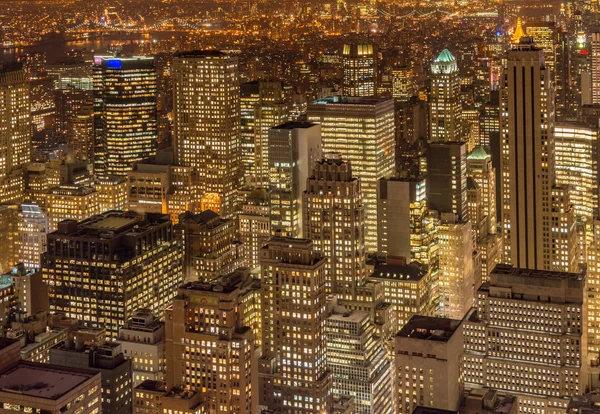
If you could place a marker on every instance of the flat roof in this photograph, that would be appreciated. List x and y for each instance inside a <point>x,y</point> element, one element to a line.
<point>429,328</point>
<point>412,272</point>
<point>42,380</point>
<point>351,100</point>
<point>295,125</point>
<point>113,223</point>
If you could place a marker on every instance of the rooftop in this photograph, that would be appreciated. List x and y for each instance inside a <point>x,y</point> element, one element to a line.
<point>353,100</point>
<point>295,125</point>
<point>478,153</point>
<point>42,380</point>
<point>200,53</point>
<point>411,272</point>
<point>445,57</point>
<point>429,328</point>
<point>430,410</point>
<point>505,269</point>
<point>113,223</point>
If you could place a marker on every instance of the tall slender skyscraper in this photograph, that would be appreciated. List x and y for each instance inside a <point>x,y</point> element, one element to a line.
<point>293,372</point>
<point>15,132</point>
<point>445,108</point>
<point>125,112</point>
<point>360,69</point>
<point>334,220</point>
<point>206,94</point>
<point>447,178</point>
<point>362,131</point>
<point>595,67</point>
<point>527,135</point>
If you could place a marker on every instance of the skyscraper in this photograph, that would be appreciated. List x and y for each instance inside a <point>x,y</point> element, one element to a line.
<point>360,69</point>
<point>208,346</point>
<point>206,134</point>
<point>293,368</point>
<point>125,112</point>
<point>447,178</point>
<point>361,130</point>
<point>294,147</point>
<point>15,132</point>
<point>358,362</point>
<point>255,225</point>
<point>265,103</point>
<point>123,262</point>
<point>445,107</point>
<point>595,67</point>
<point>334,220</point>
<point>527,164</point>
<point>527,337</point>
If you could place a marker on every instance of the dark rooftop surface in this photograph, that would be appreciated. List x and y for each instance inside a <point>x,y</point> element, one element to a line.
<point>429,328</point>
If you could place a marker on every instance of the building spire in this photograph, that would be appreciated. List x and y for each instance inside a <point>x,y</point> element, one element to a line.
<point>518,33</point>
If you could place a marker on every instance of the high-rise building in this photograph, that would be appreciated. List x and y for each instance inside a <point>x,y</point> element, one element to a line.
<point>46,388</point>
<point>119,262</point>
<point>268,107</point>
<point>112,193</point>
<point>457,273</point>
<point>528,166</point>
<point>109,361</point>
<point>361,130</point>
<point>407,287</point>
<point>142,339</point>
<point>427,349</point>
<point>401,206</point>
<point>576,164</point>
<point>403,83</point>
<point>447,178</point>
<point>71,202</point>
<point>358,362</point>
<point>293,372</point>
<point>595,67</point>
<point>206,134</point>
<point>445,107</point>
<point>153,397</point>
<point>125,100</point>
<point>334,220</point>
<point>30,291</point>
<point>211,245</point>
<point>359,62</point>
<point>294,147</point>
<point>481,170</point>
<point>527,337</point>
<point>33,230</point>
<point>15,132</point>
<point>255,225</point>
<point>209,349</point>
<point>9,236</point>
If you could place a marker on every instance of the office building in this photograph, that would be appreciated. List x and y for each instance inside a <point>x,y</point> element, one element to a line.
<point>294,147</point>
<point>595,67</point>
<point>293,372</point>
<point>157,185</point>
<point>109,361</point>
<point>334,220</point>
<point>15,132</point>
<point>35,387</point>
<point>359,62</point>
<point>124,112</point>
<point>255,225</point>
<point>30,291</point>
<point>71,202</point>
<point>407,287</point>
<point>358,362</point>
<point>447,178</point>
<point>263,106</point>
<point>527,165</point>
<point>123,261</point>
<point>112,193</point>
<point>142,339</point>
<point>206,134</point>
<point>401,209</point>
<point>456,267</point>
<point>445,106</point>
<point>153,397</point>
<point>9,236</point>
<point>33,229</point>
<point>576,165</point>
<point>361,130</point>
<point>209,349</point>
<point>211,245</point>
<point>483,173</point>
<point>427,349</point>
<point>404,84</point>
<point>527,337</point>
